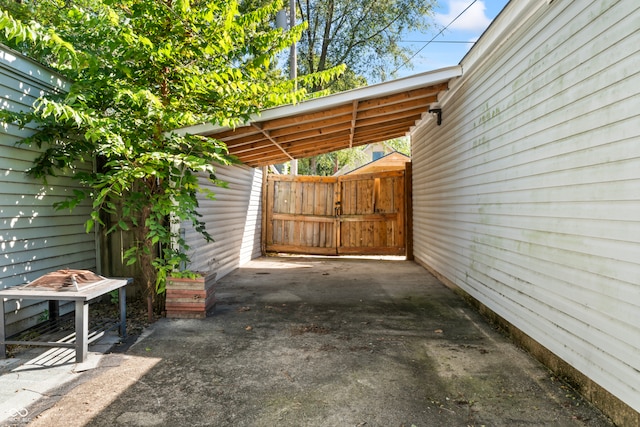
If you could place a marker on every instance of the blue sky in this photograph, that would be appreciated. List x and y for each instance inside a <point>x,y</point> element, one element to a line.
<point>467,28</point>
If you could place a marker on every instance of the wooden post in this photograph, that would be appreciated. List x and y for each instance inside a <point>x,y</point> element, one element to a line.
<point>408,196</point>
<point>337,200</point>
<point>263,219</point>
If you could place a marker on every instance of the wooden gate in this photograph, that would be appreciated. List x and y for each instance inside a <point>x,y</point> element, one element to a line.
<point>352,214</point>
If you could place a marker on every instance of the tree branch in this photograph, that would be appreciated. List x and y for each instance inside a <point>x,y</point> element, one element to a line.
<point>365,40</point>
<point>326,39</point>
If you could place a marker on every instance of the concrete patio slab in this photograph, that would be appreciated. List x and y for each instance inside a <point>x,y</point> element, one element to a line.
<point>322,342</point>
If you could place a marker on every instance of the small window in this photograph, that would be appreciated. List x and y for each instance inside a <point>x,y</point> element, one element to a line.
<point>377,155</point>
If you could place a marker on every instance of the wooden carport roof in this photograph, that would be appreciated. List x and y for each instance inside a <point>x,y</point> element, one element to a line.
<point>348,119</point>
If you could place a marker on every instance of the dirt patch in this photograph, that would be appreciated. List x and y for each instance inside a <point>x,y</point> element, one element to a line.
<point>309,329</point>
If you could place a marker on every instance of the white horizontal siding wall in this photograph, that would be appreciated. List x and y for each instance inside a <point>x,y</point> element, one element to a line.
<point>234,220</point>
<point>34,238</point>
<point>528,195</point>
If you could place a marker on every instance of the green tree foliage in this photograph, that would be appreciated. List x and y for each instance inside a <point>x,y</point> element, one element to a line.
<point>401,145</point>
<point>141,69</point>
<point>363,34</point>
<point>330,163</point>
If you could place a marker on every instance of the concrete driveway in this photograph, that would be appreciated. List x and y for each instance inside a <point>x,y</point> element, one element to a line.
<point>324,342</point>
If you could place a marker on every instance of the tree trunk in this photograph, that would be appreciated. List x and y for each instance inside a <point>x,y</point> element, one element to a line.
<point>326,39</point>
<point>313,165</point>
<point>146,255</point>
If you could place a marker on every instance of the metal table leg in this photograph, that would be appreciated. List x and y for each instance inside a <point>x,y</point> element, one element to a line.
<point>122,297</point>
<point>3,346</point>
<point>82,330</point>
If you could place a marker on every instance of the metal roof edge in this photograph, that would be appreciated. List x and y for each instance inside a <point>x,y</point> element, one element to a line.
<point>376,90</point>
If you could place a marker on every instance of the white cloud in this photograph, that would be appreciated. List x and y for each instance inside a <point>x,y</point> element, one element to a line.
<point>474,19</point>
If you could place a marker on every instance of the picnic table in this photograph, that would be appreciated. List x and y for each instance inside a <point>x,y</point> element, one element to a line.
<point>79,286</point>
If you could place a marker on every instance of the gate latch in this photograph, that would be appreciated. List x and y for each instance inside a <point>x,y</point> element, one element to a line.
<point>338,209</point>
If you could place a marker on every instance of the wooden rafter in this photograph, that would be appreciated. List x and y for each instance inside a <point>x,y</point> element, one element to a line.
<point>396,108</point>
<point>354,116</point>
<point>307,118</point>
<point>352,123</point>
<point>394,116</point>
<point>266,134</point>
<point>310,131</point>
<point>230,134</point>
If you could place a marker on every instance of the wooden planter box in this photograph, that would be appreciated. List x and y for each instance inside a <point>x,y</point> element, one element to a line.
<point>190,298</point>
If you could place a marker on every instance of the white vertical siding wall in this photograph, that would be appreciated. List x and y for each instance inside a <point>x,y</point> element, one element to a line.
<point>34,238</point>
<point>528,195</point>
<point>233,220</point>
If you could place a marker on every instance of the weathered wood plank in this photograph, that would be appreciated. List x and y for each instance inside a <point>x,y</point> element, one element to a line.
<point>268,213</point>
<point>308,198</point>
<point>297,249</point>
<point>303,217</point>
<point>315,215</point>
<point>296,209</point>
<point>399,206</point>
<point>381,175</point>
<point>372,251</point>
<point>369,217</point>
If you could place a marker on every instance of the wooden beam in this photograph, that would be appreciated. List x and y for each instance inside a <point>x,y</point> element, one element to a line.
<point>316,133</point>
<point>305,118</point>
<point>402,121</point>
<point>357,143</point>
<point>281,158</point>
<point>317,149</point>
<point>354,115</point>
<point>266,134</point>
<point>249,148</point>
<point>391,117</point>
<point>371,175</point>
<point>303,217</point>
<point>317,145</point>
<point>348,125</point>
<point>266,151</point>
<point>303,152</point>
<point>232,133</point>
<point>375,133</point>
<point>298,151</point>
<point>379,137</point>
<point>340,138</point>
<point>303,178</point>
<point>299,249</point>
<point>247,140</point>
<point>311,145</point>
<point>306,126</point>
<point>404,96</point>
<point>397,108</point>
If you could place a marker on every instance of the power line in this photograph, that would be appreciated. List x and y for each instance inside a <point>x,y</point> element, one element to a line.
<point>434,37</point>
<point>437,41</point>
<point>412,41</point>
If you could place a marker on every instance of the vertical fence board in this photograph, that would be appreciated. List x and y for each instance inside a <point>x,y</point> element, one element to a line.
<point>359,214</point>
